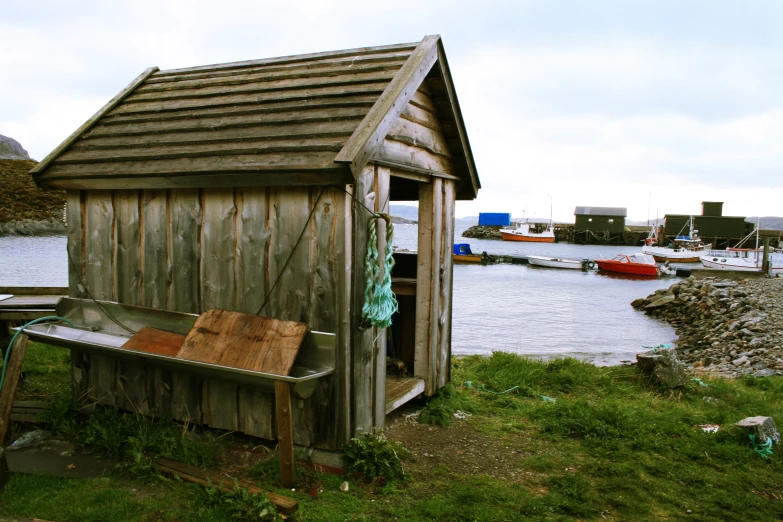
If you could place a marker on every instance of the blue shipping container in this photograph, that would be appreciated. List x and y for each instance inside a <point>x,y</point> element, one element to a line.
<point>494,219</point>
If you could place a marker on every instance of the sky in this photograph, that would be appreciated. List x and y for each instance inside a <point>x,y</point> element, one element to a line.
<point>653,106</point>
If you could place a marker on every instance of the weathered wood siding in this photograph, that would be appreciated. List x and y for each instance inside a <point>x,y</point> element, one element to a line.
<point>434,284</point>
<point>416,141</point>
<point>371,193</point>
<point>191,250</point>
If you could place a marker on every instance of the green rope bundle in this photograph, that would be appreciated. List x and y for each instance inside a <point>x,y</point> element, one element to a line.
<point>379,300</point>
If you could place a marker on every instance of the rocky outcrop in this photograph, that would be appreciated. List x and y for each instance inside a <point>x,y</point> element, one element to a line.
<point>11,149</point>
<point>731,328</point>
<point>479,232</point>
<point>31,227</point>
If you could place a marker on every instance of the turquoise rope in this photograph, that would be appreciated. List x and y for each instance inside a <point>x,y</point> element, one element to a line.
<point>655,349</point>
<point>765,450</point>
<point>380,303</point>
<point>11,344</point>
<point>481,387</point>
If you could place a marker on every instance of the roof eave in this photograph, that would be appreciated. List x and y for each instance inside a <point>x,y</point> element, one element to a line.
<point>372,130</point>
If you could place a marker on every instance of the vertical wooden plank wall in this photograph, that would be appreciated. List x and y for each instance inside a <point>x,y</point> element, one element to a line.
<point>382,181</point>
<point>184,240</point>
<point>255,408</point>
<point>361,343</point>
<point>434,283</point>
<point>446,284</point>
<point>189,250</point>
<point>371,191</point>
<point>217,276</point>
<point>74,217</point>
<point>99,226</point>
<point>131,375</point>
<point>156,278</point>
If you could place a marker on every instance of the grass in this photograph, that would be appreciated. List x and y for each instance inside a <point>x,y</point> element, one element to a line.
<point>612,446</point>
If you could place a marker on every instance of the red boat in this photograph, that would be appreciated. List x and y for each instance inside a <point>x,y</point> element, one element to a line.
<point>637,264</point>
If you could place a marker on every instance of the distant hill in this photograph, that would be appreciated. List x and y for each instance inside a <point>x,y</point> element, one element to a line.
<point>405,211</point>
<point>10,149</point>
<point>767,222</point>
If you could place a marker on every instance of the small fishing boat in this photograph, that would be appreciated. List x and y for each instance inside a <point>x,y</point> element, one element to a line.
<point>558,262</point>
<point>682,249</point>
<point>463,255</point>
<point>529,232</point>
<point>742,260</point>
<point>635,264</point>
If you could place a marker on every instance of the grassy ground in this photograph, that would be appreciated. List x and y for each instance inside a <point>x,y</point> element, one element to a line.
<point>611,446</point>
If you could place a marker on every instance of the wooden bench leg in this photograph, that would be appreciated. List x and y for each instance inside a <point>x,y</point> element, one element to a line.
<point>11,380</point>
<point>285,432</point>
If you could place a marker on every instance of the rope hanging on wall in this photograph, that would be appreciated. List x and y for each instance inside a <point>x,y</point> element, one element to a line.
<point>379,300</point>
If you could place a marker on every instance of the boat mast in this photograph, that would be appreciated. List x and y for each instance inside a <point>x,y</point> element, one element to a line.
<point>550,210</point>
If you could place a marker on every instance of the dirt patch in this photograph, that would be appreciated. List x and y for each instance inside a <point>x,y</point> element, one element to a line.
<point>459,448</point>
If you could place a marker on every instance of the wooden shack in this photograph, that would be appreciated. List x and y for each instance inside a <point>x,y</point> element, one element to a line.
<point>192,188</point>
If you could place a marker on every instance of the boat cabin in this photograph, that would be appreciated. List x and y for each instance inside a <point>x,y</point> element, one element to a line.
<point>250,187</point>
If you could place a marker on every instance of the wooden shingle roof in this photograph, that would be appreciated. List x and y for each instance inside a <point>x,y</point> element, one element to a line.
<point>307,119</point>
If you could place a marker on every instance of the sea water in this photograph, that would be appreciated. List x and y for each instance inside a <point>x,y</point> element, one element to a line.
<point>534,311</point>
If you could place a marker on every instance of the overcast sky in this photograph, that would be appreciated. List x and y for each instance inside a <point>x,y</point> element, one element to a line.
<point>657,105</point>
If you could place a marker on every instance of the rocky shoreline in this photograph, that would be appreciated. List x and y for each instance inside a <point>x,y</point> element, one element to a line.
<point>726,328</point>
<point>479,232</point>
<point>32,227</point>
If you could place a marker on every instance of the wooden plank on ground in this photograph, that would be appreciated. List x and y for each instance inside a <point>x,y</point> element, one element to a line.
<point>189,473</point>
<point>14,370</point>
<point>244,341</point>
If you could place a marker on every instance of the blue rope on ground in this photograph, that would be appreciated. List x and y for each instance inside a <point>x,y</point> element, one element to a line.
<point>11,344</point>
<point>481,387</point>
<point>765,450</point>
<point>665,346</point>
<point>380,303</point>
<point>702,384</point>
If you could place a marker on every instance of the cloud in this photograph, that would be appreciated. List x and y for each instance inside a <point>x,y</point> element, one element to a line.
<point>636,104</point>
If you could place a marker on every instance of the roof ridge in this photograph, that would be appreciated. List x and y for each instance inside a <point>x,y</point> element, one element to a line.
<point>371,131</point>
<point>289,59</point>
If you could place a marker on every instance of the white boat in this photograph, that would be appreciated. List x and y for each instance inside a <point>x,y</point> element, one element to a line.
<point>529,232</point>
<point>743,260</point>
<point>682,249</point>
<point>557,262</point>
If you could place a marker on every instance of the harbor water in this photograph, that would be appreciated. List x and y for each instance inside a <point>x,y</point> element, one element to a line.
<point>539,312</point>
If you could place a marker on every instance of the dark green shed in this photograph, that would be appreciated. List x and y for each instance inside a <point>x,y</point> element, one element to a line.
<point>600,219</point>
